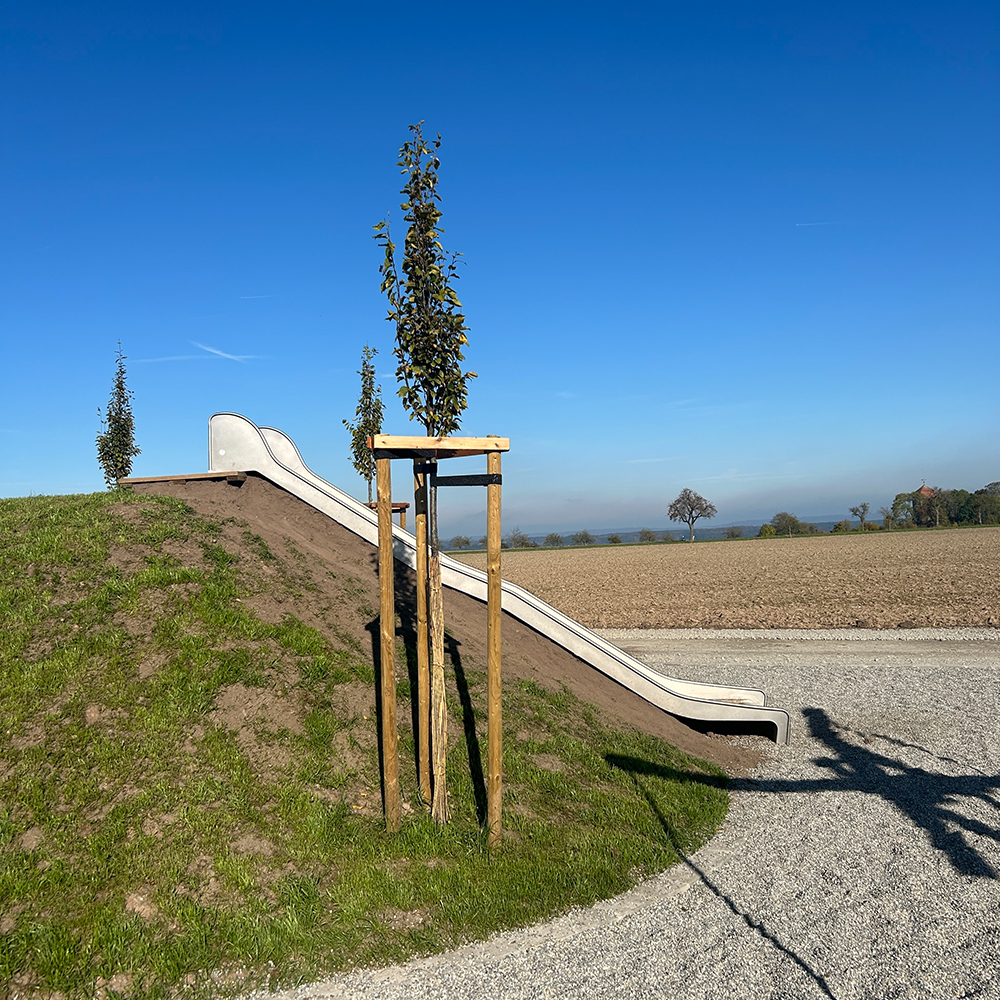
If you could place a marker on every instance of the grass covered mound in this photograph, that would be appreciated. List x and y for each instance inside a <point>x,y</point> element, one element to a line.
<point>189,790</point>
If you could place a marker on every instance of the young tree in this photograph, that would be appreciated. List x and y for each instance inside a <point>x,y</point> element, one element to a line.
<point>116,444</point>
<point>861,513</point>
<point>430,327</point>
<point>367,419</point>
<point>430,335</point>
<point>690,507</point>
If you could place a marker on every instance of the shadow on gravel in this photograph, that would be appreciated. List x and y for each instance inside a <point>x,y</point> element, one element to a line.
<point>928,799</point>
<point>636,767</point>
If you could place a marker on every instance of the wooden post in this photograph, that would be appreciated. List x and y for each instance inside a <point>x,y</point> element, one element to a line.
<point>439,707</point>
<point>387,641</point>
<point>402,519</point>
<point>494,788</point>
<point>423,673</point>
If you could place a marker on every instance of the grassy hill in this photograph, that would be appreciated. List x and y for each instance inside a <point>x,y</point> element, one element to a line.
<point>189,790</point>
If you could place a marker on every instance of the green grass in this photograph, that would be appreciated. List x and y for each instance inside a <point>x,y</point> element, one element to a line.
<point>149,842</point>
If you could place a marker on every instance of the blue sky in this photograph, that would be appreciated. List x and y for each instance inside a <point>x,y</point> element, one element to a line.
<point>747,248</point>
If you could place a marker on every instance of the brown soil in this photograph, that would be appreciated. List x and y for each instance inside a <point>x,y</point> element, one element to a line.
<point>339,595</point>
<point>897,579</point>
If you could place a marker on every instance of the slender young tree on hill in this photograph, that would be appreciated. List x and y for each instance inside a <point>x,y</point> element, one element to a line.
<point>116,443</point>
<point>367,419</point>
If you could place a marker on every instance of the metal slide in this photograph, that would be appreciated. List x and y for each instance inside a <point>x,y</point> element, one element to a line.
<point>236,443</point>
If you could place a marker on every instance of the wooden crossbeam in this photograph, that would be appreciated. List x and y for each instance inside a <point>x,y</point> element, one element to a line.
<point>411,446</point>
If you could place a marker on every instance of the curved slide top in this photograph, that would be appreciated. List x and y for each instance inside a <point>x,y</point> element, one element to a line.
<point>236,443</point>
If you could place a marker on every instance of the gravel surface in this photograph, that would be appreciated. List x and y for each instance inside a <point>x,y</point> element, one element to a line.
<point>862,861</point>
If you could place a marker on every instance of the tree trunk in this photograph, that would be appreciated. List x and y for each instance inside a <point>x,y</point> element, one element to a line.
<point>691,529</point>
<point>439,708</point>
<point>423,671</point>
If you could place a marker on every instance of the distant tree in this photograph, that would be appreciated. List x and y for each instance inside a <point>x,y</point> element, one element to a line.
<point>690,507</point>
<point>938,503</point>
<point>668,537</point>
<point>861,513</point>
<point>786,524</point>
<point>583,538</point>
<point>460,542</point>
<point>367,419</point>
<point>614,539</point>
<point>734,532</point>
<point>992,489</point>
<point>482,542</point>
<point>766,531</point>
<point>553,539</point>
<point>645,535</point>
<point>888,518</point>
<point>842,527</point>
<point>116,443</point>
<point>517,539</point>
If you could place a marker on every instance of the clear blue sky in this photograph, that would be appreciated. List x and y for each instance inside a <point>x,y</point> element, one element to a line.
<point>747,248</point>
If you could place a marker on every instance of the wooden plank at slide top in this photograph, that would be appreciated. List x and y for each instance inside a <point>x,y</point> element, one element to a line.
<point>235,476</point>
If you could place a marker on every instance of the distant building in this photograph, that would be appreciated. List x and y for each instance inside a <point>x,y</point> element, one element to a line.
<point>925,491</point>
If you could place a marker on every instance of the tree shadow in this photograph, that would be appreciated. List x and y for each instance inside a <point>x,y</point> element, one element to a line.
<point>451,645</point>
<point>926,798</point>
<point>637,768</point>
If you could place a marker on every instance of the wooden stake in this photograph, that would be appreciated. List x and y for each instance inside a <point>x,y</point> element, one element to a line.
<point>423,674</point>
<point>387,637</point>
<point>494,788</point>
<point>402,519</point>
<point>439,708</point>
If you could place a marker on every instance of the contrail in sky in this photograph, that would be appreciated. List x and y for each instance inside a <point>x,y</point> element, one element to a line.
<point>222,354</point>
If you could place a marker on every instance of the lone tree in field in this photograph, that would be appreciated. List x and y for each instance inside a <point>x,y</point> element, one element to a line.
<point>690,507</point>
<point>861,513</point>
<point>430,335</point>
<point>116,443</point>
<point>367,419</point>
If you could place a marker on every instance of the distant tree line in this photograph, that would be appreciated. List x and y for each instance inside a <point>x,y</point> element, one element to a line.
<point>928,507</point>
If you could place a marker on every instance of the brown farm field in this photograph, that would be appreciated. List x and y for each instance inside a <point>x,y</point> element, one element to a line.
<point>885,580</point>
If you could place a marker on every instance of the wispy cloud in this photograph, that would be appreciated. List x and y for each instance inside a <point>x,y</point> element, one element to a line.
<point>211,354</point>
<point>222,354</point>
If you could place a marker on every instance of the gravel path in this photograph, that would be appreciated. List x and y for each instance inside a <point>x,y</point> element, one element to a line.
<point>862,862</point>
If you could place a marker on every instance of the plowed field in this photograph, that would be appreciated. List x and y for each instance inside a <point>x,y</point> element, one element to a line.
<point>890,580</point>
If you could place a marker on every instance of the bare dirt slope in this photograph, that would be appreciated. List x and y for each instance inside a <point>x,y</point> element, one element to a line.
<point>340,594</point>
<point>894,579</point>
